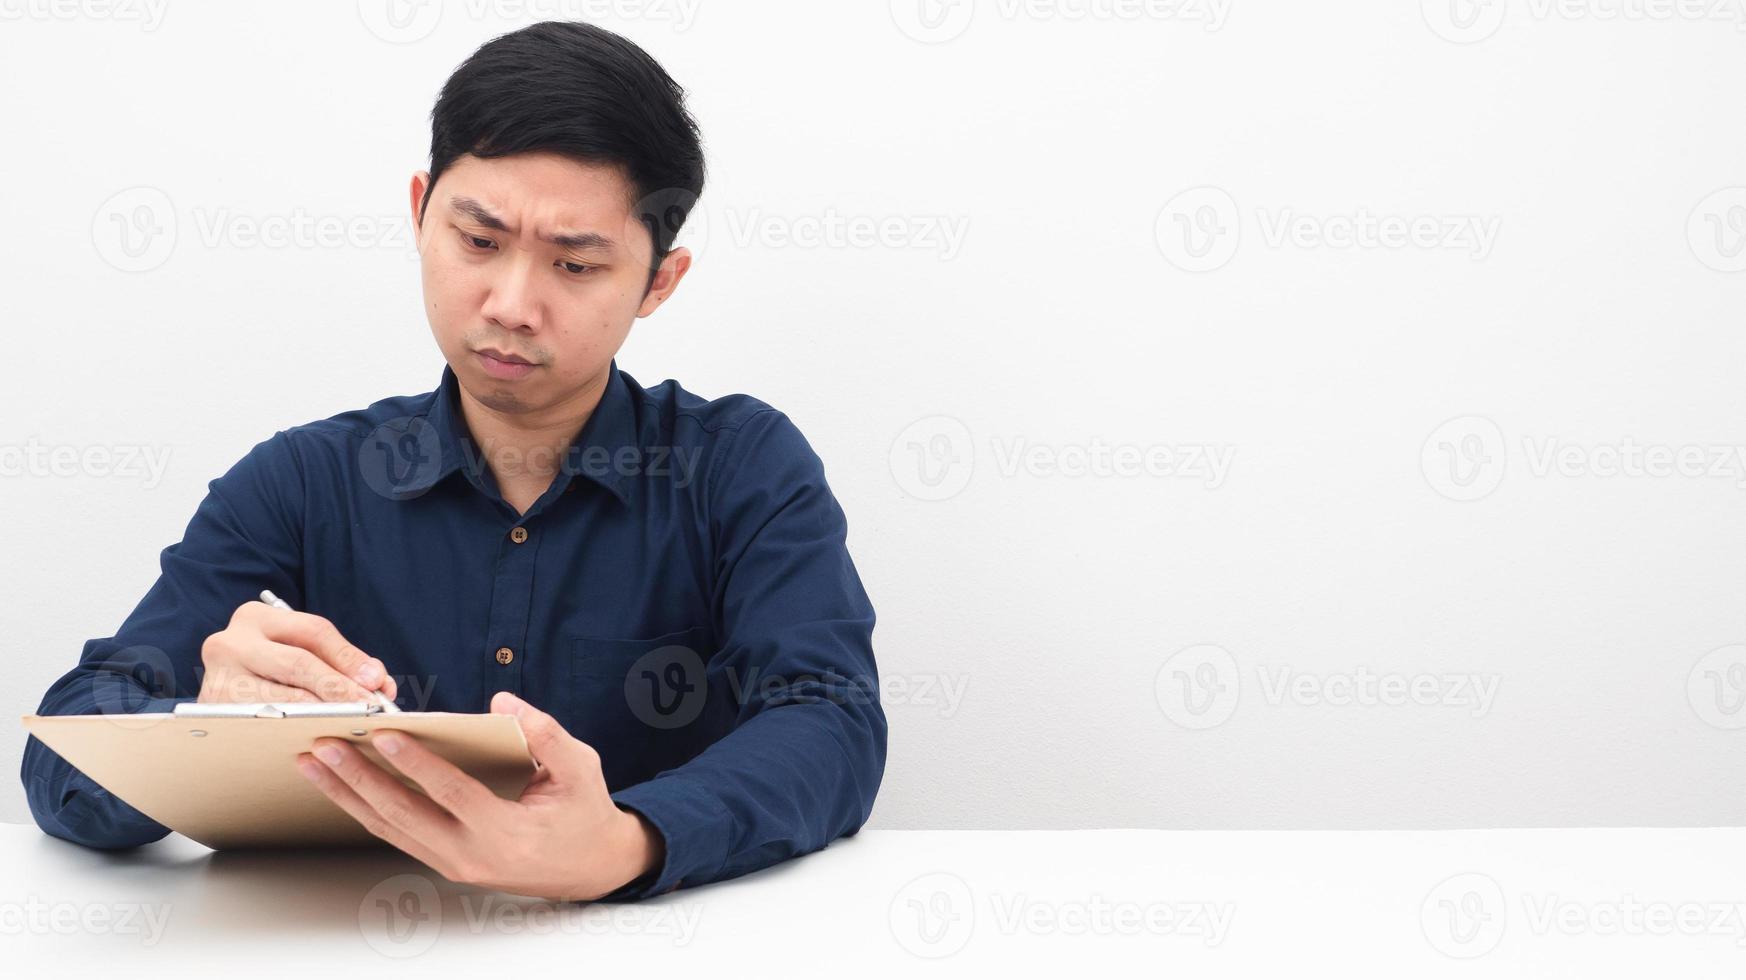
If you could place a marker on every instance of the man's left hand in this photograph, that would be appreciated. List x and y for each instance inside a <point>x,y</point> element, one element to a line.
<point>564,839</point>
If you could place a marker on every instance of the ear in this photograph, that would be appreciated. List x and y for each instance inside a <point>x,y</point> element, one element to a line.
<point>673,269</point>
<point>420,181</point>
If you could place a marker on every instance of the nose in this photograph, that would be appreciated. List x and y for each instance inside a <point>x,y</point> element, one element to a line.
<point>513,301</point>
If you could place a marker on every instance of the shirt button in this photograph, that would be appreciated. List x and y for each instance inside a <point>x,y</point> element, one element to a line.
<point>505,655</point>
<point>518,535</point>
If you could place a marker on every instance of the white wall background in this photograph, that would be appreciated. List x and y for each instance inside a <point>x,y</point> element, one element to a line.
<point>1073,650</point>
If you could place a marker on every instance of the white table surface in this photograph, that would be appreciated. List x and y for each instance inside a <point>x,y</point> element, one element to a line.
<point>1070,903</point>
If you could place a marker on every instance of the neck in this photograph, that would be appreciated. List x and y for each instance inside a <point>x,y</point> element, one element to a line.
<point>527,448</point>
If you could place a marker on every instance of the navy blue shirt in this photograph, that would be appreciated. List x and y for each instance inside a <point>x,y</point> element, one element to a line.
<point>681,598</point>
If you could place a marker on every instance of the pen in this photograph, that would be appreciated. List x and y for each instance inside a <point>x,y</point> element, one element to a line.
<point>270,599</point>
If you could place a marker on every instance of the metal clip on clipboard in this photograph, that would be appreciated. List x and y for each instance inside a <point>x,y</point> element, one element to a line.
<point>293,709</point>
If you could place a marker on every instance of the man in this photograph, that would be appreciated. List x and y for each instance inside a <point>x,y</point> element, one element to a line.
<point>656,584</point>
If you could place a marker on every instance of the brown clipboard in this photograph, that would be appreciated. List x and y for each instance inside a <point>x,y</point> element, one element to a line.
<point>226,775</point>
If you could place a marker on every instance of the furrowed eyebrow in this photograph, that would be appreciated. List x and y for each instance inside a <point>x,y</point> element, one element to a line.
<point>579,241</point>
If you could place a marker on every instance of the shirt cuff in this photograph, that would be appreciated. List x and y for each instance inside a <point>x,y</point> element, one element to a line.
<point>694,825</point>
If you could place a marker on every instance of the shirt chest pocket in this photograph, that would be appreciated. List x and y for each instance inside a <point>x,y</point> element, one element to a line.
<point>631,688</point>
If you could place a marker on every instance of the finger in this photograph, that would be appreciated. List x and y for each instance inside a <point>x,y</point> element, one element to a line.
<point>348,800</point>
<point>322,638</point>
<point>467,798</point>
<point>397,804</point>
<point>547,741</point>
<point>244,688</point>
<point>297,667</point>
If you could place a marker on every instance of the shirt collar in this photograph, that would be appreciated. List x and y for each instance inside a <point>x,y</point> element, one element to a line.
<point>606,451</point>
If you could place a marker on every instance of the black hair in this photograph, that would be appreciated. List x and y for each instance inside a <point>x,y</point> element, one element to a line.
<point>575,89</point>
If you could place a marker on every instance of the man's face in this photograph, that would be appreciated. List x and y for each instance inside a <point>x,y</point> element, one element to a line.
<point>538,260</point>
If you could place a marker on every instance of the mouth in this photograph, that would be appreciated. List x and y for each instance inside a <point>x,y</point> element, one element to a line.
<point>504,365</point>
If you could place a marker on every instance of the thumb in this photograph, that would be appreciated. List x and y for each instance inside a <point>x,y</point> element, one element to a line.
<point>551,745</point>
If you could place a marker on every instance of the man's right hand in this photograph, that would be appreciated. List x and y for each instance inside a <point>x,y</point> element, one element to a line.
<point>269,654</point>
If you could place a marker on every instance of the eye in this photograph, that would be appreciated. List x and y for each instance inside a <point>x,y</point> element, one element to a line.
<point>574,268</point>
<point>475,241</point>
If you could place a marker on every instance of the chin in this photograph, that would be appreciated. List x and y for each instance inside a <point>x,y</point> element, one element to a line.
<point>498,397</point>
